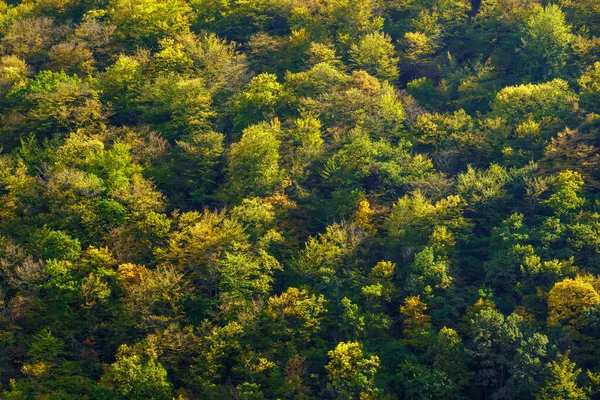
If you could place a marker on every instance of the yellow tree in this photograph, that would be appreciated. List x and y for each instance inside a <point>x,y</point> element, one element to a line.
<point>567,301</point>
<point>351,373</point>
<point>415,319</point>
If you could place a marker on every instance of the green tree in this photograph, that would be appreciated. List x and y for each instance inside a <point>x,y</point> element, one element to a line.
<point>45,347</point>
<point>414,218</point>
<point>253,162</point>
<point>494,340</point>
<point>260,101</point>
<point>564,199</point>
<point>375,54</point>
<point>176,105</point>
<point>546,43</point>
<point>527,371</point>
<point>424,382</point>
<point>590,88</point>
<point>431,270</point>
<point>562,381</point>
<point>148,21</point>
<point>59,245</point>
<point>137,376</point>
<point>552,99</point>
<point>58,103</point>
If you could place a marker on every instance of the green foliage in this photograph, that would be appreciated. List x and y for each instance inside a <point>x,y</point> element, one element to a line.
<point>57,102</point>
<point>565,198</point>
<point>147,20</point>
<point>562,380</point>
<point>263,96</point>
<point>176,105</point>
<point>58,245</point>
<point>253,162</point>
<point>137,376</point>
<point>546,43</point>
<point>45,347</point>
<point>553,99</point>
<point>298,199</point>
<point>375,54</point>
<point>590,88</point>
<point>413,218</point>
<point>424,382</point>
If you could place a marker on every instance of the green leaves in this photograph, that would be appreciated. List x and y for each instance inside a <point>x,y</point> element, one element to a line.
<point>45,347</point>
<point>253,162</point>
<point>375,54</point>
<point>546,43</point>
<point>137,376</point>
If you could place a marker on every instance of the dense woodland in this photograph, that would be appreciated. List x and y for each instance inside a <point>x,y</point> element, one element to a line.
<point>299,199</point>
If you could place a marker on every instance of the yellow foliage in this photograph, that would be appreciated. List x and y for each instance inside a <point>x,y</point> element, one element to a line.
<point>383,270</point>
<point>372,290</point>
<point>38,369</point>
<point>298,312</point>
<point>131,273</point>
<point>415,319</point>
<point>351,373</point>
<point>363,216</point>
<point>568,299</point>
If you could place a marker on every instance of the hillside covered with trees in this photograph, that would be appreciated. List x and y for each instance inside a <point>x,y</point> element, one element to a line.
<point>299,199</point>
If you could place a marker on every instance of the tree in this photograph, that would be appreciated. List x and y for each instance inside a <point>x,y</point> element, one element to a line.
<point>416,322</point>
<point>30,38</point>
<point>218,258</point>
<point>148,20</point>
<point>431,270</point>
<point>59,245</point>
<point>72,57</point>
<point>176,105</point>
<point>351,19</point>
<point>13,71</point>
<point>197,166</point>
<point>55,102</point>
<point>449,134</point>
<point>256,214</point>
<point>527,372</point>
<point>253,162</point>
<point>485,191</point>
<point>508,249</point>
<point>120,84</point>
<point>45,347</point>
<point>564,199</point>
<point>375,54</point>
<point>423,382</point>
<point>260,101</point>
<point>294,387</point>
<point>351,373</point>
<point>494,339</point>
<point>414,218</point>
<point>552,99</point>
<point>448,353</point>
<point>137,376</point>
<point>546,43</point>
<point>323,256</point>
<point>590,88</point>
<point>567,301</point>
<point>151,298</point>
<point>562,381</point>
<point>584,14</point>
<point>296,313</point>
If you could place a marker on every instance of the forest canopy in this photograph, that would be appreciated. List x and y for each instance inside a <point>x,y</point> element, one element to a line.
<point>299,199</point>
